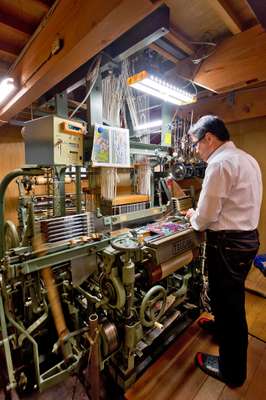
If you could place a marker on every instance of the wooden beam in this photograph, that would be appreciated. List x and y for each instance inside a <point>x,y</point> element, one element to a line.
<point>163,52</point>
<point>3,69</point>
<point>179,41</point>
<point>16,23</point>
<point>7,58</point>
<point>9,48</point>
<point>237,62</point>
<point>227,15</point>
<point>42,4</point>
<point>236,106</point>
<point>85,28</point>
<point>259,9</point>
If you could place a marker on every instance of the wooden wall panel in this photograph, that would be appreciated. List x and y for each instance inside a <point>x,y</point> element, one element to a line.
<point>12,156</point>
<point>250,135</point>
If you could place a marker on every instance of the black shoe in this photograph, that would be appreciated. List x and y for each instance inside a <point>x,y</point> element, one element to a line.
<point>207,324</point>
<point>210,365</point>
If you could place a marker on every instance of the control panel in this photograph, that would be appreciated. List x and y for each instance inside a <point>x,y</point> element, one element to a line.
<point>53,140</point>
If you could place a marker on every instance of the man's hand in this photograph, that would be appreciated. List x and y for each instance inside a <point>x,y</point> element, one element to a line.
<point>190,212</point>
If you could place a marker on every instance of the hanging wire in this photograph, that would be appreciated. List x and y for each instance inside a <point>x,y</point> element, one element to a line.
<point>190,82</point>
<point>200,59</point>
<point>113,99</point>
<point>129,93</point>
<point>140,114</point>
<point>91,77</point>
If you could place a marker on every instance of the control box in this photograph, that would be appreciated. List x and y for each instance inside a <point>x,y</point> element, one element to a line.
<point>52,140</point>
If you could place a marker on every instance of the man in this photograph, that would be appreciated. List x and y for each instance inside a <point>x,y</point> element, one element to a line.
<point>228,209</point>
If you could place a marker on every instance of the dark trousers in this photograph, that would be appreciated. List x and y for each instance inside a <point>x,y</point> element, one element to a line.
<point>229,257</point>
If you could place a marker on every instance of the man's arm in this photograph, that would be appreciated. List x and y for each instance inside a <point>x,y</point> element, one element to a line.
<point>216,188</point>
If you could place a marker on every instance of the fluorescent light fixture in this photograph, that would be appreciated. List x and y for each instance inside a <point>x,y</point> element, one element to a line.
<point>6,87</point>
<point>148,125</point>
<point>156,87</point>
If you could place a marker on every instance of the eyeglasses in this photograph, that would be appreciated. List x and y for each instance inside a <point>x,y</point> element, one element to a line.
<point>194,144</point>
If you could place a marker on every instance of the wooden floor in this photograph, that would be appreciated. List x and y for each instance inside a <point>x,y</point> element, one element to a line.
<point>256,305</point>
<point>256,281</point>
<point>174,376</point>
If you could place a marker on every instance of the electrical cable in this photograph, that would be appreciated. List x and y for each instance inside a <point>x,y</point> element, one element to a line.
<point>200,59</point>
<point>92,76</point>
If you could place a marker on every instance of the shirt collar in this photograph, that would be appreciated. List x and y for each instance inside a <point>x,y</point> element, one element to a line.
<point>225,146</point>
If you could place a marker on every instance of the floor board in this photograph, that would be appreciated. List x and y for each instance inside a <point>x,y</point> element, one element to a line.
<point>174,376</point>
<point>256,281</point>
<point>257,387</point>
<point>256,315</point>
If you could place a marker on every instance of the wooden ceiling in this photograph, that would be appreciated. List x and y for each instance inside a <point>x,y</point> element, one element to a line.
<point>18,21</point>
<point>29,28</point>
<point>196,18</point>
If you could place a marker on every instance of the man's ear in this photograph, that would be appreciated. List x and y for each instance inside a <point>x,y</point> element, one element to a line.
<point>209,137</point>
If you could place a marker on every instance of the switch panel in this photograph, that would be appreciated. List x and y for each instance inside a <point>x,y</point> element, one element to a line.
<point>53,140</point>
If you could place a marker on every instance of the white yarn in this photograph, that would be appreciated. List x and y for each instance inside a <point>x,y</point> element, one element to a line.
<point>109,180</point>
<point>144,179</point>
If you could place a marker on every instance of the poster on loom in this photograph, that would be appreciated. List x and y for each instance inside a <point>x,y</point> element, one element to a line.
<point>110,147</point>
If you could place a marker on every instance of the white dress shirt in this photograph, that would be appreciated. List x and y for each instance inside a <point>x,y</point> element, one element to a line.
<point>231,193</point>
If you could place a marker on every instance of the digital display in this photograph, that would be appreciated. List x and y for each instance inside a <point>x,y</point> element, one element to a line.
<point>74,128</point>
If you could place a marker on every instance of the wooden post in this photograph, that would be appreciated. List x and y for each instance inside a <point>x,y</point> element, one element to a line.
<point>94,361</point>
<point>53,296</point>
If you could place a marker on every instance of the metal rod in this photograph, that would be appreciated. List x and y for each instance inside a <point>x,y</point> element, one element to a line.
<point>3,186</point>
<point>69,218</point>
<point>9,362</point>
<point>78,189</point>
<point>67,232</point>
<point>65,227</point>
<point>23,331</point>
<point>59,191</point>
<point>57,238</point>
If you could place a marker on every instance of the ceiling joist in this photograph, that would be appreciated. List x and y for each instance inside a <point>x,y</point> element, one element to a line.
<point>259,9</point>
<point>237,62</point>
<point>3,68</point>
<point>16,23</point>
<point>43,5</point>
<point>227,15</point>
<point>85,29</point>
<point>179,41</point>
<point>163,52</point>
<point>9,48</point>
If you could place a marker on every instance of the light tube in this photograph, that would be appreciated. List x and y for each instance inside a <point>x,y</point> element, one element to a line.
<point>154,86</point>
<point>6,87</point>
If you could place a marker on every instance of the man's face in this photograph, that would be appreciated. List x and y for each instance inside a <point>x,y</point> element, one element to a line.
<point>202,146</point>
